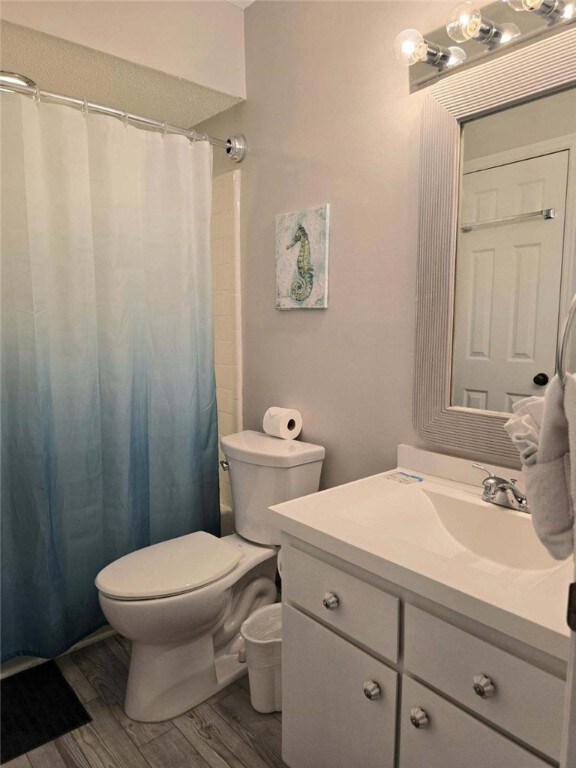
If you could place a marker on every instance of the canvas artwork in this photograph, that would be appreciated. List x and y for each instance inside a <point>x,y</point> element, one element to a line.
<point>302,259</point>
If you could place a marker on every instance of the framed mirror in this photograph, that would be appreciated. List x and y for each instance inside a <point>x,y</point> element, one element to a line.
<point>515,250</point>
<point>496,242</point>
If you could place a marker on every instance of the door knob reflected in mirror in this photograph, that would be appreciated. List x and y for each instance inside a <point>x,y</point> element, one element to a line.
<point>541,379</point>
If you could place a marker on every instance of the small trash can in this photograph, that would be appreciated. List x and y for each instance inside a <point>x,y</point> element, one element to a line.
<point>262,633</point>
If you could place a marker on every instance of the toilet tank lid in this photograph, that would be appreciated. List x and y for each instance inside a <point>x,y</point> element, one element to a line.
<point>267,451</point>
<point>169,568</point>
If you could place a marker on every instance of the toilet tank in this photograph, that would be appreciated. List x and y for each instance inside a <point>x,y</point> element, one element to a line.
<point>266,470</point>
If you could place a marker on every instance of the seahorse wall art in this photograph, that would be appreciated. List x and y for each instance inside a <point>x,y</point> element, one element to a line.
<point>302,282</point>
<point>301,288</point>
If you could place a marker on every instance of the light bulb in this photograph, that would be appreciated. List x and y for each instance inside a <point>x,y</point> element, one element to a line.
<point>464,22</point>
<point>553,9</point>
<point>457,56</point>
<point>410,47</point>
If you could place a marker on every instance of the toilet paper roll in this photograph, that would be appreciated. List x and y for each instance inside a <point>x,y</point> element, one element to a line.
<point>282,422</point>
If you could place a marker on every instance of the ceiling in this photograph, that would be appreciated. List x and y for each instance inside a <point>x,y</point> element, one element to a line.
<point>85,73</point>
<point>241,3</point>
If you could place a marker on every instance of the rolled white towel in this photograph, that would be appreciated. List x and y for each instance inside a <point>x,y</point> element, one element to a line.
<point>533,407</point>
<point>524,427</point>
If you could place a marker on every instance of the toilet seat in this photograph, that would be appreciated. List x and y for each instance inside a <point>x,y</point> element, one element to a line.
<point>170,568</point>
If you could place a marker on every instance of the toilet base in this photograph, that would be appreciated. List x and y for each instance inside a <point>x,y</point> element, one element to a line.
<point>165,681</point>
<point>184,647</point>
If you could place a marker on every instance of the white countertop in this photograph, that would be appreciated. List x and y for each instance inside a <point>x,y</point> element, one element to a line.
<point>388,529</point>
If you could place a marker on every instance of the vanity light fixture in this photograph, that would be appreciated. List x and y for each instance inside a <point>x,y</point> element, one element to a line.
<point>466,22</point>
<point>554,10</point>
<point>410,47</point>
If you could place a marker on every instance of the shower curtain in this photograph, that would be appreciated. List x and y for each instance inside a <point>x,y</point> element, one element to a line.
<point>109,432</point>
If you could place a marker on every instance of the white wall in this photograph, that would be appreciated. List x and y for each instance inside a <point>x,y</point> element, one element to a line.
<point>329,118</point>
<point>200,41</point>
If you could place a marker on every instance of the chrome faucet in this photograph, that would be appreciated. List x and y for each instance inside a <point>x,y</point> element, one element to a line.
<point>502,492</point>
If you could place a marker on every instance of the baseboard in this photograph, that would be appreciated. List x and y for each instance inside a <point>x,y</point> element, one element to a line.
<point>21,663</point>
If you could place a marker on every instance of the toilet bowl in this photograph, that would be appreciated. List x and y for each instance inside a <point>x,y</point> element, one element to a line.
<point>182,643</point>
<point>181,602</point>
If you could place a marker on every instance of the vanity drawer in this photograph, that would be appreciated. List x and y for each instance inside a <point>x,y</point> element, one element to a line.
<point>359,610</point>
<point>451,738</point>
<point>526,701</point>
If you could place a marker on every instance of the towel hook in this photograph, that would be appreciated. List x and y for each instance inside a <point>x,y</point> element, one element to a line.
<point>562,350</point>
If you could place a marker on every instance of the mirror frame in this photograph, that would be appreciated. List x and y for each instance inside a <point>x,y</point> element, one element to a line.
<point>524,74</point>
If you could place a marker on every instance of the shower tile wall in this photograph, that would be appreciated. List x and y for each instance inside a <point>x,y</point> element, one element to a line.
<point>227,324</point>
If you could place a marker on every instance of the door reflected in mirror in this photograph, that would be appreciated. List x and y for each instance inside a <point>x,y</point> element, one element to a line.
<point>515,257</point>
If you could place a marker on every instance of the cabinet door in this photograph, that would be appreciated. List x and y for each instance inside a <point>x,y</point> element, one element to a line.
<point>447,737</point>
<point>327,720</point>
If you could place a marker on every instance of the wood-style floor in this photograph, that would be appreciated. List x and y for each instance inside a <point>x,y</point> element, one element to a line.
<point>223,732</point>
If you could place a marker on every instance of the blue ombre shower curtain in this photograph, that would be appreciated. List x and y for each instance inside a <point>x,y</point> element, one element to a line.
<point>109,432</point>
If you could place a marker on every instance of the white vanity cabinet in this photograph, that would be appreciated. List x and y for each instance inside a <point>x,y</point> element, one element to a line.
<point>350,665</point>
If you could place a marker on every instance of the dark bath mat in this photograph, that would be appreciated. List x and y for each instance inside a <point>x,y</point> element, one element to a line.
<point>38,705</point>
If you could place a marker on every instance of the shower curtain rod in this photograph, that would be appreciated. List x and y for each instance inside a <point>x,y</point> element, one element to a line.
<point>235,146</point>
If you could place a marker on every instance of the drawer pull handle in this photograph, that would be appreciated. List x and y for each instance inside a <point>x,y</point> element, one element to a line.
<point>418,717</point>
<point>483,686</point>
<point>372,690</point>
<point>331,601</point>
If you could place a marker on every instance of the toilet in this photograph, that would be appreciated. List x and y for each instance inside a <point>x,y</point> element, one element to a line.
<point>181,602</point>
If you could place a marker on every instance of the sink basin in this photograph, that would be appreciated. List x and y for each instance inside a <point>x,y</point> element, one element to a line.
<point>447,521</point>
<point>436,537</point>
<point>498,534</point>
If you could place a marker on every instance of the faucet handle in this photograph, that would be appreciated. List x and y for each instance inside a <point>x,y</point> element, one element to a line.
<point>485,469</point>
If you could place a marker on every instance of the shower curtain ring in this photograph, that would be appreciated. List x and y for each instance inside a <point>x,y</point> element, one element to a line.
<point>36,96</point>
<point>125,119</point>
<point>163,130</point>
<point>85,108</point>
